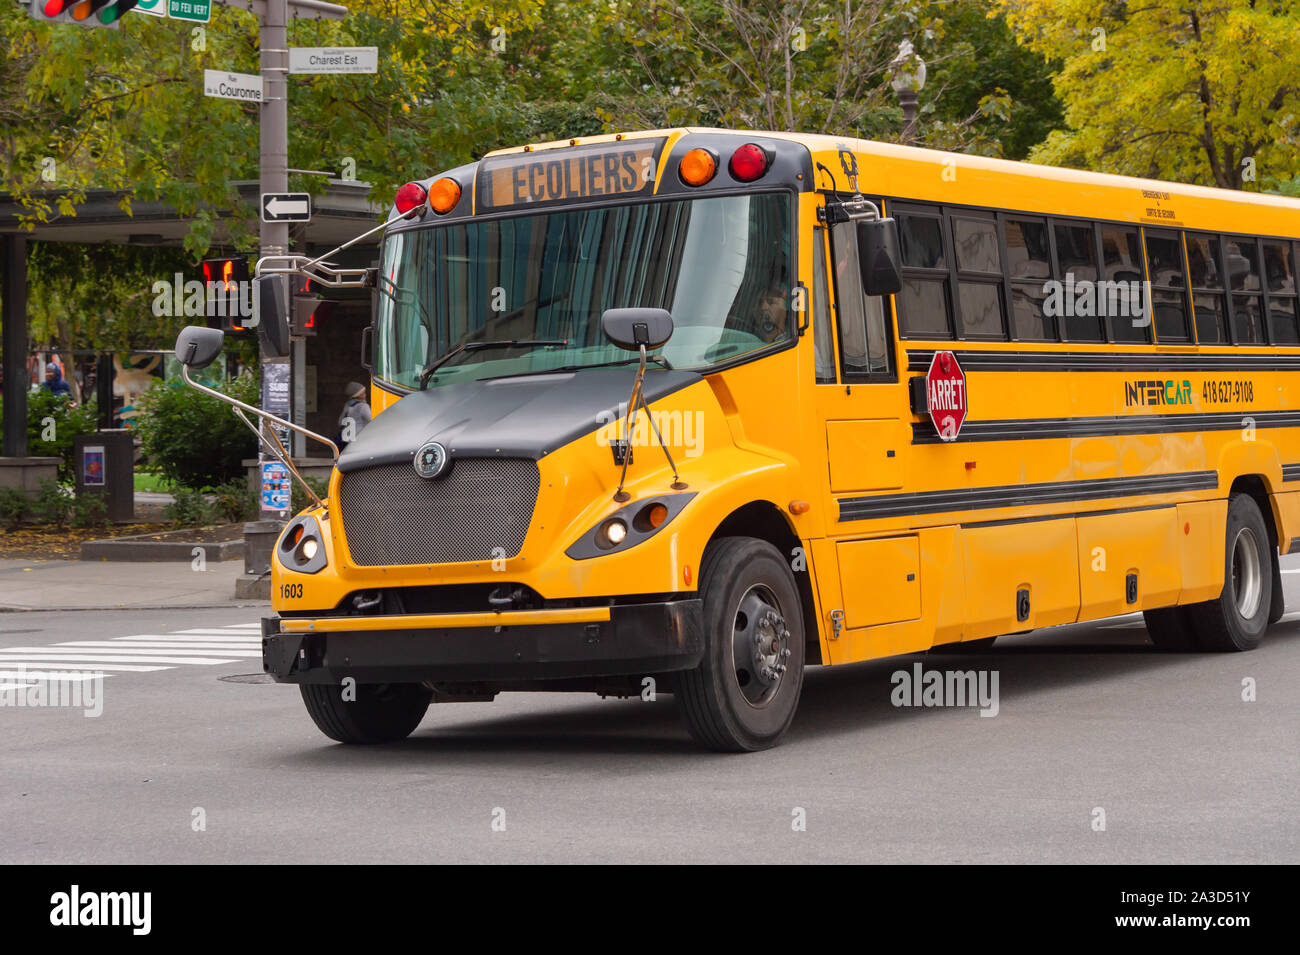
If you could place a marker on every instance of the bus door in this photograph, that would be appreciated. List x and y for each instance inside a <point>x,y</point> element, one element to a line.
<point>861,403</point>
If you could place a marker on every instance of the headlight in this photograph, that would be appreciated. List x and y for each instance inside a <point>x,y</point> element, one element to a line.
<point>301,547</point>
<point>611,534</point>
<point>629,525</point>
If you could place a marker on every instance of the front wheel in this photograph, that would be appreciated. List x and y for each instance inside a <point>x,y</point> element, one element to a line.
<point>366,712</point>
<point>743,694</point>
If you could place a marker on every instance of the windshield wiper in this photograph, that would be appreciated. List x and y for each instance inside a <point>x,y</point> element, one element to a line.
<point>657,359</point>
<point>434,365</point>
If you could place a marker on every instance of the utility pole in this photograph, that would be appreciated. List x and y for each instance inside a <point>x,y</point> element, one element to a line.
<point>273,175</point>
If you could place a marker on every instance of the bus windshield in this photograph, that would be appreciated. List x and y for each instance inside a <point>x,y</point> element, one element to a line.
<point>720,266</point>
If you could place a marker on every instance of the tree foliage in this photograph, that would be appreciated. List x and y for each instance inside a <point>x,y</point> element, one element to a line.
<point>192,439</point>
<point>1204,91</point>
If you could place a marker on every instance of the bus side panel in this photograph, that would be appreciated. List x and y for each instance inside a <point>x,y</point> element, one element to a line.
<point>1286,512</point>
<point>1113,546</point>
<point>1041,557</point>
<point>1201,530</point>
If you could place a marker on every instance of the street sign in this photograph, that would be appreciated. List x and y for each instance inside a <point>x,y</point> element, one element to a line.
<point>240,86</point>
<point>945,395</point>
<point>286,207</point>
<point>197,11</point>
<point>334,59</point>
<point>155,8</point>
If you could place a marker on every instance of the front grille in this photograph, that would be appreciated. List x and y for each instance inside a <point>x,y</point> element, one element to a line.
<point>391,515</point>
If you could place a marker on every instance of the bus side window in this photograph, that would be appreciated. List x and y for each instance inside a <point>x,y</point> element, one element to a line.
<point>823,344</point>
<point>1169,286</point>
<point>863,330</point>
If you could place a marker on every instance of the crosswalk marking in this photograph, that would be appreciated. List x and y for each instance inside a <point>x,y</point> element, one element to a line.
<point>94,658</point>
<point>126,651</point>
<point>163,645</point>
<point>135,653</point>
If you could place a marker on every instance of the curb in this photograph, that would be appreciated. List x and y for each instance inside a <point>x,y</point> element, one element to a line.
<point>135,549</point>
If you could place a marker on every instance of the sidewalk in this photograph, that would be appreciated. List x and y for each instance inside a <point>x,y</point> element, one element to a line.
<point>114,585</point>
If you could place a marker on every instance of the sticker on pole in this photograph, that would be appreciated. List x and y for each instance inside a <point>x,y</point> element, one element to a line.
<point>945,395</point>
<point>275,486</point>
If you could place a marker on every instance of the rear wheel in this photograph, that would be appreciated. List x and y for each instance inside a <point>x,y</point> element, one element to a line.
<point>380,712</point>
<point>743,694</point>
<point>1237,619</point>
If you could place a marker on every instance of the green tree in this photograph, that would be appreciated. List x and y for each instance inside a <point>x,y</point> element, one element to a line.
<point>1188,90</point>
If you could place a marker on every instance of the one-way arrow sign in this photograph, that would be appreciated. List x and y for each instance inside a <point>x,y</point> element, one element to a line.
<point>286,206</point>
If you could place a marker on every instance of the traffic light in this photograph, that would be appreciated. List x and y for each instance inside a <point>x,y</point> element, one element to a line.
<point>228,298</point>
<point>309,309</point>
<point>86,13</point>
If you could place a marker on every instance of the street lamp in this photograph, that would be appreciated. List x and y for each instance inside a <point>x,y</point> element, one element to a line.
<point>908,80</point>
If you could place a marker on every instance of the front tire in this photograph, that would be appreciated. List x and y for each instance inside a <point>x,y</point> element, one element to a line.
<point>1237,619</point>
<point>381,712</point>
<point>743,694</point>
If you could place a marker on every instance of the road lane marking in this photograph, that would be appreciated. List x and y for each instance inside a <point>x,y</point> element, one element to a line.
<point>162,645</point>
<point>50,654</point>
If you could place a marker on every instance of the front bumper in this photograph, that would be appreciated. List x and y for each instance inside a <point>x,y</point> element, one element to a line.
<point>630,640</point>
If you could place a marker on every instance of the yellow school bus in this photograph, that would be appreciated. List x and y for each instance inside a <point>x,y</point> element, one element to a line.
<point>657,411</point>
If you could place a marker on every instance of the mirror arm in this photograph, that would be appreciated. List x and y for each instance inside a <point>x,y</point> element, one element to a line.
<point>265,415</point>
<point>282,457</point>
<point>638,401</point>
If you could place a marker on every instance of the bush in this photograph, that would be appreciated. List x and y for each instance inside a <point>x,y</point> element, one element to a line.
<point>90,510</point>
<point>193,440</point>
<point>13,505</point>
<point>236,502</point>
<point>52,504</point>
<point>67,422</point>
<point>299,499</point>
<point>189,509</point>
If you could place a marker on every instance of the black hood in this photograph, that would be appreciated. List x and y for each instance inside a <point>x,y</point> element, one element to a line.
<point>526,416</point>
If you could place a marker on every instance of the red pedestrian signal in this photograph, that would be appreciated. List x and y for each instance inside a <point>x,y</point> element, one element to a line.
<point>228,293</point>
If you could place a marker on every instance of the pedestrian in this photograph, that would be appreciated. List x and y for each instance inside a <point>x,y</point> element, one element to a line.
<point>355,414</point>
<point>54,382</point>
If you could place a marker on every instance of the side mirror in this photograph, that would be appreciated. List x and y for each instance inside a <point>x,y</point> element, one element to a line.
<point>271,312</point>
<point>197,346</point>
<point>631,328</point>
<point>878,256</point>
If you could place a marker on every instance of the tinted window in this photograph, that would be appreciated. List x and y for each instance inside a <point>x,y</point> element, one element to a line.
<point>1278,269</point>
<point>1121,254</point>
<point>977,245</point>
<point>1165,262</point>
<point>1028,253</point>
<point>923,304</point>
<point>981,310</point>
<point>1243,264</point>
<point>922,239</point>
<point>1203,261</point>
<point>1076,252</point>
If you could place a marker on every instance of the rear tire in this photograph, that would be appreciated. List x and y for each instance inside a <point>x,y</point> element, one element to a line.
<point>1237,619</point>
<point>1171,630</point>
<point>732,702</point>
<point>381,712</point>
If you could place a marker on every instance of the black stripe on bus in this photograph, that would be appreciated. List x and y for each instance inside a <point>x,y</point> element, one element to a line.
<point>1020,429</point>
<point>1037,518</point>
<point>1021,495</point>
<point>1290,472</point>
<point>1107,361</point>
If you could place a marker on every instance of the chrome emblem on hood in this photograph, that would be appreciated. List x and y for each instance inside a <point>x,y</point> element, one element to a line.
<point>431,460</point>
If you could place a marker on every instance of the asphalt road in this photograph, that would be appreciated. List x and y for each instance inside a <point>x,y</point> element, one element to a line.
<point>1089,718</point>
